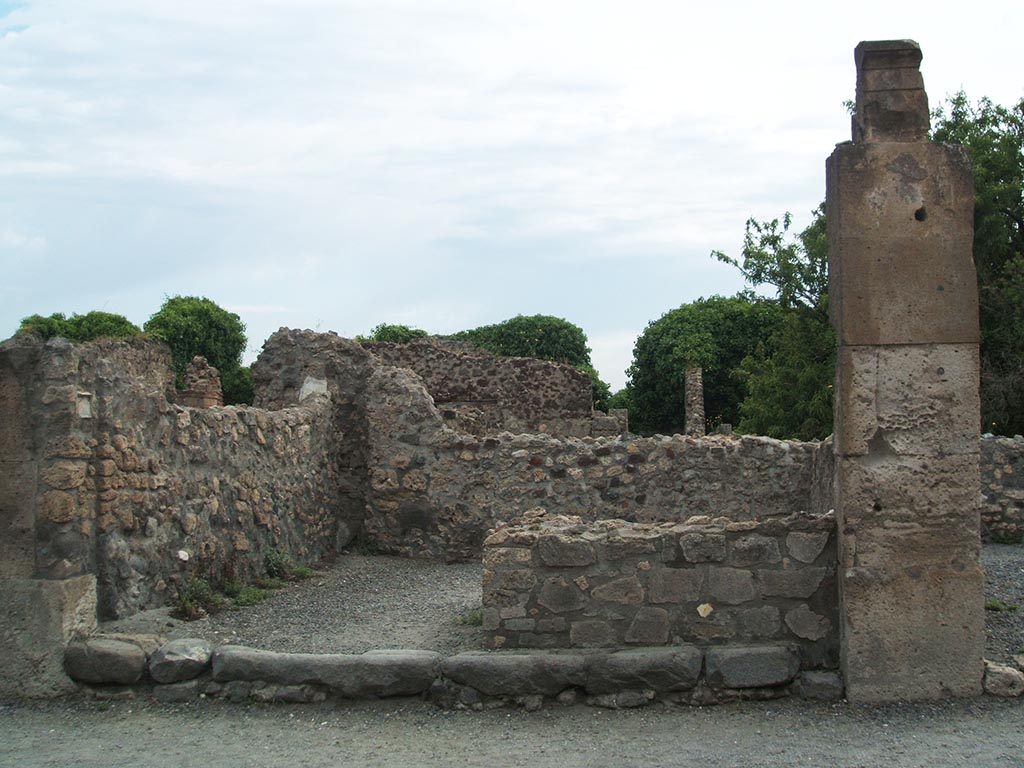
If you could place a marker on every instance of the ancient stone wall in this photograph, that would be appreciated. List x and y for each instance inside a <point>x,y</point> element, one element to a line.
<point>1002,485</point>
<point>127,485</point>
<point>556,582</point>
<point>481,393</point>
<point>436,491</point>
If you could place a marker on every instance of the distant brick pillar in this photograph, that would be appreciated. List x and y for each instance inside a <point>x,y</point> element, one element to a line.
<point>693,402</point>
<point>202,385</point>
<point>904,305</point>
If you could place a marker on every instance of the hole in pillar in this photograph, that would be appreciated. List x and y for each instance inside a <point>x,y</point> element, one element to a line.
<point>940,371</point>
<point>941,288</point>
<point>877,506</point>
<point>921,214</point>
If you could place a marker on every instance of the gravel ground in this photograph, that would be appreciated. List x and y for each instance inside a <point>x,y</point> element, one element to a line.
<point>980,733</point>
<point>362,602</point>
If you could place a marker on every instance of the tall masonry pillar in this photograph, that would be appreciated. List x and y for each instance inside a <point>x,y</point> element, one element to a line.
<point>904,303</point>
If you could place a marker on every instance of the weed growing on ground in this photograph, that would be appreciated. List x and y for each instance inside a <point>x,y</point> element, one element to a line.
<point>302,572</point>
<point>278,564</point>
<point>232,587</point>
<point>251,595</point>
<point>195,600</point>
<point>473,618</point>
<point>270,582</point>
<point>997,605</point>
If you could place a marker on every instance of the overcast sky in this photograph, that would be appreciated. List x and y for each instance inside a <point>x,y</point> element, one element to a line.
<point>335,164</point>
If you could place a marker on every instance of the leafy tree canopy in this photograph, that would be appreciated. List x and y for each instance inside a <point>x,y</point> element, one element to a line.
<point>541,336</point>
<point>994,138</point>
<point>788,378</point>
<point>401,334</point>
<point>92,325</point>
<point>197,326</point>
<point>715,333</point>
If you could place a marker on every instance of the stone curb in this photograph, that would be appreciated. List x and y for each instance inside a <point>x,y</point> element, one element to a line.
<point>188,669</point>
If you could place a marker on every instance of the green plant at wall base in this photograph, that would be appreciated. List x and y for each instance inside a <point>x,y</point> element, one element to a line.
<point>270,582</point>
<point>998,606</point>
<point>302,572</point>
<point>278,564</point>
<point>471,618</point>
<point>195,599</point>
<point>251,596</point>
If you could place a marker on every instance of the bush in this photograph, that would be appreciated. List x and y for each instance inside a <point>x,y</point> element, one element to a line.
<point>251,595</point>
<point>78,328</point>
<point>401,334</point>
<point>278,564</point>
<point>195,600</point>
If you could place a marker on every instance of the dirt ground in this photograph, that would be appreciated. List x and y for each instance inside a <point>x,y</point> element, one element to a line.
<point>982,733</point>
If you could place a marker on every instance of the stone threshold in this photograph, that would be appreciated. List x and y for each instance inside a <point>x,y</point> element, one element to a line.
<point>183,670</point>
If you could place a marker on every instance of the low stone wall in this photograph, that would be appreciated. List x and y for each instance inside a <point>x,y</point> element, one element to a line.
<point>184,670</point>
<point>435,491</point>
<point>479,393</point>
<point>1002,486</point>
<point>557,582</point>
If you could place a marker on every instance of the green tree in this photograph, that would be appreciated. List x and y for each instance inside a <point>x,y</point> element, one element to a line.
<point>197,326</point>
<point>994,138</point>
<point>91,325</point>
<point>788,379</point>
<point>716,334</point>
<point>543,337</point>
<point>400,334</point>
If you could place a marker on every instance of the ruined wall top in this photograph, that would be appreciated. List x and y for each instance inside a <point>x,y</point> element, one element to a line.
<point>891,101</point>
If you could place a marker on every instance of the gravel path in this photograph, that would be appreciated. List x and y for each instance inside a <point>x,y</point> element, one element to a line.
<point>363,602</point>
<point>980,733</point>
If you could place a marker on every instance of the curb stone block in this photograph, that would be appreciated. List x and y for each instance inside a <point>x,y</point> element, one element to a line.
<point>751,667</point>
<point>658,669</point>
<point>180,660</point>
<point>376,674</point>
<point>824,685</point>
<point>105,660</point>
<point>518,674</point>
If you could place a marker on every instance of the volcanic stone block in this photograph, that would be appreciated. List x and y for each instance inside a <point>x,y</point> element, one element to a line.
<point>703,547</point>
<point>560,596</point>
<point>517,674</point>
<point>806,547</point>
<point>560,551</point>
<point>731,585</point>
<point>756,666</point>
<point>658,669</point>
<point>675,585</point>
<point>105,660</point>
<point>649,627</point>
<point>180,660</point>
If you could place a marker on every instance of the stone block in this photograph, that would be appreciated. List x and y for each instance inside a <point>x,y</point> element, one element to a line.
<point>39,618</point>
<point>757,666</point>
<point>177,693</point>
<point>591,633</point>
<point>506,556</point>
<point>806,546</point>
<point>105,660</point>
<point>731,585</point>
<point>761,623</point>
<point>754,548</point>
<point>791,582</point>
<point>649,627</point>
<point>820,685</point>
<point>1003,680</point>
<point>376,674</point>
<point>658,669</point>
<point>517,674</point>
<point>558,551</point>
<point>675,585</point>
<point>806,624</point>
<point>908,400</point>
<point>560,596</point>
<point>626,591</point>
<point>900,261</point>
<point>703,547</point>
<point>179,660</point>
<point>913,630</point>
